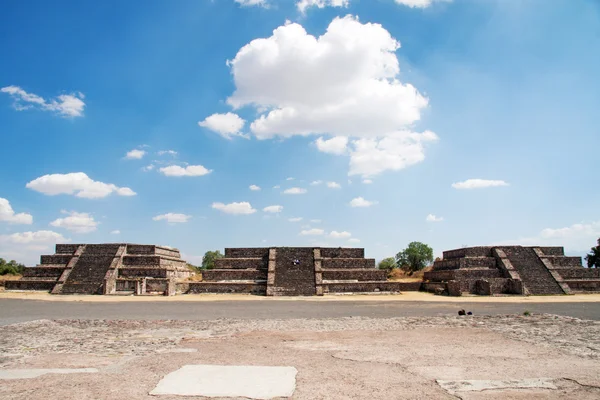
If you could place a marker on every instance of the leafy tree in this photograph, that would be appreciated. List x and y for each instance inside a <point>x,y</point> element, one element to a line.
<point>208,261</point>
<point>415,257</point>
<point>593,259</point>
<point>387,263</point>
<point>11,268</point>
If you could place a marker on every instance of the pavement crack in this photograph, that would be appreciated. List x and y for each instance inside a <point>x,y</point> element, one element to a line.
<point>582,384</point>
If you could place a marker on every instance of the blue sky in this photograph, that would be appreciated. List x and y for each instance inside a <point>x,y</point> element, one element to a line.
<point>448,122</point>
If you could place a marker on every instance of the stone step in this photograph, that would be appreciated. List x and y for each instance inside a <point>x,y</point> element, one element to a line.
<point>356,263</point>
<point>41,285</point>
<point>240,263</point>
<point>373,286</point>
<point>233,274</point>
<point>364,274</point>
<point>226,287</point>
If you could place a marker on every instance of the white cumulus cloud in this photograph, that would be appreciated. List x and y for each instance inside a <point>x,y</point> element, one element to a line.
<point>295,190</point>
<point>135,154</point>
<point>173,218</point>
<point>337,145</point>
<point>295,219</point>
<point>227,125</point>
<point>478,184</point>
<point>64,105</point>
<point>115,232</point>
<point>273,209</point>
<point>343,83</point>
<point>312,232</point>
<point>334,185</point>
<point>240,208</point>
<point>360,202</point>
<point>339,235</point>
<point>78,184</point>
<point>433,218</point>
<point>254,188</point>
<point>7,214</point>
<point>76,222</point>
<point>190,170</point>
<point>395,151</point>
<point>353,240</point>
<point>315,183</point>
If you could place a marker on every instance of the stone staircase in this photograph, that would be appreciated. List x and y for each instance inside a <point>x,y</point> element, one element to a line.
<point>87,276</point>
<point>534,274</point>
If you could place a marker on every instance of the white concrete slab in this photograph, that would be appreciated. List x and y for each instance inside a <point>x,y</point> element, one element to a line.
<point>229,381</point>
<point>453,387</point>
<point>37,372</point>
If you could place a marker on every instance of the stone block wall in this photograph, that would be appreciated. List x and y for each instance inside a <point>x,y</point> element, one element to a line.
<point>258,252</point>
<point>240,263</point>
<point>342,252</point>
<point>354,274</point>
<point>340,263</point>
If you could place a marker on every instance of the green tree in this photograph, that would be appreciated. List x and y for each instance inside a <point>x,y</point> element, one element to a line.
<point>387,263</point>
<point>593,258</point>
<point>208,261</point>
<point>11,268</point>
<point>415,257</point>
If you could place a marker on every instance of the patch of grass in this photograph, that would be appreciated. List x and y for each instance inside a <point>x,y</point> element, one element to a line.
<point>526,313</point>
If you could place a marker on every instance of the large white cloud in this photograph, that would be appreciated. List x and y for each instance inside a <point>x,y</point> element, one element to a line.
<point>76,222</point>
<point>240,208</point>
<point>343,83</point>
<point>478,184</point>
<point>65,105</point>
<point>77,183</point>
<point>190,170</point>
<point>302,5</point>
<point>173,218</point>
<point>226,125</point>
<point>7,214</point>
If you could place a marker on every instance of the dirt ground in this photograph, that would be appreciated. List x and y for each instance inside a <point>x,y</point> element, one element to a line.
<point>347,358</point>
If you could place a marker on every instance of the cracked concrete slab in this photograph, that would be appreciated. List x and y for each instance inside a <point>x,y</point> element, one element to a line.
<point>454,387</point>
<point>229,381</point>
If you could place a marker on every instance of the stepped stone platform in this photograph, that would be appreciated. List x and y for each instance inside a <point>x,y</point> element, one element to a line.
<point>510,270</point>
<point>106,269</point>
<point>295,271</point>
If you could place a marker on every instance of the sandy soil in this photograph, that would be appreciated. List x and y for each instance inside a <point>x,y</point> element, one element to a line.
<point>349,358</point>
<point>406,296</point>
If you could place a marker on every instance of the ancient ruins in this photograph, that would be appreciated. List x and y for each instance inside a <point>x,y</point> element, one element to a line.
<point>106,269</point>
<point>296,271</point>
<point>510,270</point>
<point>302,271</point>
